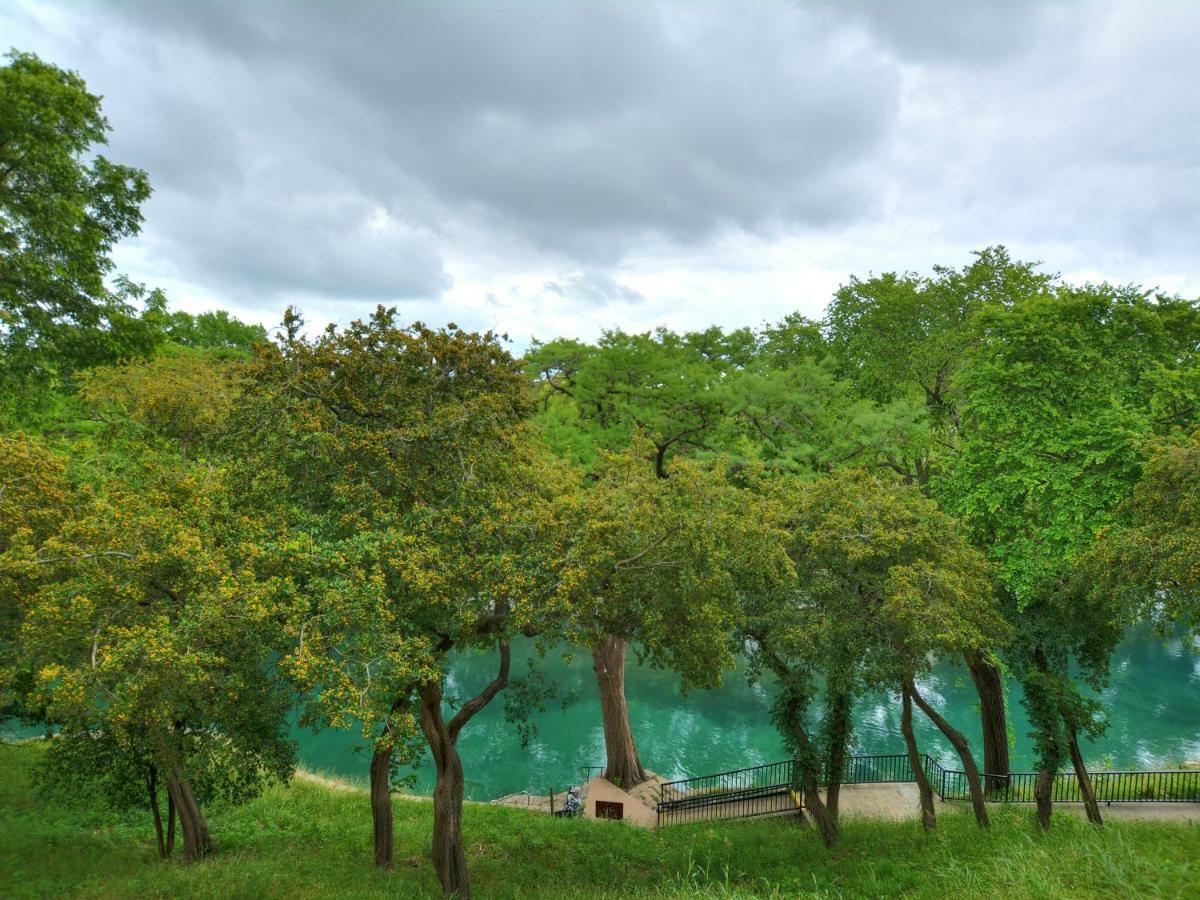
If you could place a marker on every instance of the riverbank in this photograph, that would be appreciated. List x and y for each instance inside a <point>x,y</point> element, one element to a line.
<point>313,840</point>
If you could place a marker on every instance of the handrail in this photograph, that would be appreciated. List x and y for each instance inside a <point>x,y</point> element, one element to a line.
<point>765,789</point>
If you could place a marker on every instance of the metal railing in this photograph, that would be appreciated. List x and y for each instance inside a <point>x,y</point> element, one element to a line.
<point>1164,786</point>
<point>771,789</point>
<point>762,790</point>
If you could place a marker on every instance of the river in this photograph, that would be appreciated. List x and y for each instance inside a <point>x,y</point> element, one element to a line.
<point>1154,722</point>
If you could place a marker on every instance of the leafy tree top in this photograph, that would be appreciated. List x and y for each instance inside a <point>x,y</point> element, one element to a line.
<point>62,210</point>
<point>1057,399</point>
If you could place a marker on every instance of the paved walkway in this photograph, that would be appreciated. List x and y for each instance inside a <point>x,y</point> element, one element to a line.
<point>895,802</point>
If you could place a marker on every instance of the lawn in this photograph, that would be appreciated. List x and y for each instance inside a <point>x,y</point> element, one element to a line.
<point>308,840</point>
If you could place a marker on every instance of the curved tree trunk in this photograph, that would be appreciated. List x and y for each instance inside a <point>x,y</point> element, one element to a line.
<point>956,737</point>
<point>622,766</point>
<point>989,684</point>
<point>826,824</point>
<point>1085,781</point>
<point>381,805</point>
<point>170,825</point>
<point>839,732</point>
<point>928,815</point>
<point>809,774</point>
<point>447,854</point>
<point>196,842</point>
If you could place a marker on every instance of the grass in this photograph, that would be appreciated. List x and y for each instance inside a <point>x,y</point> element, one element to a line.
<point>309,840</point>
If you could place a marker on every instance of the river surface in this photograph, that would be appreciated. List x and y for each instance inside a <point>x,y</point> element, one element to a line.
<point>1154,722</point>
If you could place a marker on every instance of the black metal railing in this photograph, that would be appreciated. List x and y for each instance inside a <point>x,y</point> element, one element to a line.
<point>587,773</point>
<point>762,790</point>
<point>1164,786</point>
<point>771,789</point>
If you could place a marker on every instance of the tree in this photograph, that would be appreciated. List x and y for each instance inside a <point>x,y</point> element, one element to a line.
<point>659,391</point>
<point>36,497</point>
<point>882,579</point>
<point>658,564</point>
<point>402,453</point>
<point>905,336</point>
<point>155,627</point>
<point>1097,370</point>
<point>62,210</point>
<point>737,398</point>
<point>215,330</point>
<point>664,386</point>
<point>1149,558</point>
<point>178,401</point>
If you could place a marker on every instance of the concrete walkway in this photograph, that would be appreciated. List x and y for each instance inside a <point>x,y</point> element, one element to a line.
<point>895,802</point>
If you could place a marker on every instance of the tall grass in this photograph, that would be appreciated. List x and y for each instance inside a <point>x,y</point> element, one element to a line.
<point>307,840</point>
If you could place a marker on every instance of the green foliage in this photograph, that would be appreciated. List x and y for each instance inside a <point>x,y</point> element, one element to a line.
<point>154,622</point>
<point>178,402</point>
<point>883,580</point>
<point>62,209</point>
<point>216,330</point>
<point>907,335</point>
<point>662,385</point>
<point>1039,475</point>
<point>400,453</point>
<point>1059,399</point>
<point>1148,562</point>
<point>662,562</point>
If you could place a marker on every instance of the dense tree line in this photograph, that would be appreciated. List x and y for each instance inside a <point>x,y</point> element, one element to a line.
<point>202,529</point>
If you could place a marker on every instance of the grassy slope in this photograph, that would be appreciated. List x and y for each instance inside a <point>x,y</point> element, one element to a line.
<point>307,840</point>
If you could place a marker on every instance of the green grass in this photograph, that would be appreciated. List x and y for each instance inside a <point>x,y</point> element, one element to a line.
<point>310,841</point>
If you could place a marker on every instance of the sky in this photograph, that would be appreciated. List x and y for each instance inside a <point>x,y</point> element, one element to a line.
<point>550,169</point>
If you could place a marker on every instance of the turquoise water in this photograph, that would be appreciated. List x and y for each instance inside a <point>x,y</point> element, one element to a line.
<point>1154,703</point>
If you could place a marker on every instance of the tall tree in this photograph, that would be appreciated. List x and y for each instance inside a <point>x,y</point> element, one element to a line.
<point>882,579</point>
<point>1058,397</point>
<point>401,452</point>
<point>664,389</point>
<point>736,399</point>
<point>155,626</point>
<point>63,207</point>
<point>658,564</point>
<point>906,336</point>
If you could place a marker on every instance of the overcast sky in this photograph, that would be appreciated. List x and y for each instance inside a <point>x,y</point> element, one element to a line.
<point>554,168</point>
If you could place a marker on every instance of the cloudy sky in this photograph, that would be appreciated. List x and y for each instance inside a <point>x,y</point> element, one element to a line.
<point>547,168</point>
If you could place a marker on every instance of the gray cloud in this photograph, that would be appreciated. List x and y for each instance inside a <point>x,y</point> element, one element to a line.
<point>580,129</point>
<point>594,289</point>
<point>375,152</point>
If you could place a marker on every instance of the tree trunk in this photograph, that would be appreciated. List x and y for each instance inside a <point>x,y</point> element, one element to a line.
<point>1041,792</point>
<point>956,737</point>
<point>1085,781</point>
<point>826,824</point>
<point>622,766</point>
<point>447,854</point>
<point>1045,715</point>
<point>928,815</point>
<point>196,842</point>
<point>381,805</point>
<point>839,729</point>
<point>170,825</point>
<point>989,684</point>
<point>806,766</point>
<point>152,790</point>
